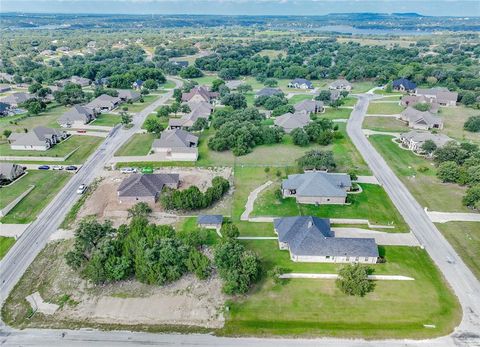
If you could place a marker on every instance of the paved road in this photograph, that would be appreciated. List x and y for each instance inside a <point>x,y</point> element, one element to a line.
<point>460,278</point>
<point>32,241</point>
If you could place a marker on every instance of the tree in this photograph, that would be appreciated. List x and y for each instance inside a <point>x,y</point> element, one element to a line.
<point>199,264</point>
<point>150,84</point>
<point>7,133</point>
<point>244,88</point>
<point>34,87</point>
<point>450,152</point>
<point>317,160</point>
<point>422,106</point>
<point>472,124</point>
<point>300,137</point>
<point>199,125</point>
<point>428,147</point>
<point>140,209</point>
<point>163,111</point>
<point>324,96</point>
<point>70,94</point>
<point>191,72</point>
<point>216,84</point>
<point>282,110</point>
<point>270,82</point>
<point>472,197</point>
<point>228,73</point>
<point>235,100</point>
<point>229,230</point>
<point>154,126</point>
<point>468,98</point>
<point>448,171</point>
<point>274,101</point>
<point>126,118</point>
<point>34,106</point>
<point>353,280</point>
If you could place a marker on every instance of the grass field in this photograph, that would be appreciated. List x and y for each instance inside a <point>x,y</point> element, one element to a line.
<point>205,80</point>
<point>84,146</point>
<point>349,101</point>
<point>453,120</point>
<point>272,53</point>
<point>384,108</point>
<point>305,307</point>
<point>362,86</point>
<point>47,184</point>
<point>336,113</point>
<point>299,97</point>
<point>418,174</point>
<point>372,204</point>
<point>47,118</point>
<point>5,244</point>
<point>465,238</point>
<point>167,85</point>
<point>106,119</point>
<point>139,106</point>
<point>384,124</point>
<point>138,144</point>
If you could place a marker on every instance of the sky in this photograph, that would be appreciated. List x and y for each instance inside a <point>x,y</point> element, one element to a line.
<point>244,7</point>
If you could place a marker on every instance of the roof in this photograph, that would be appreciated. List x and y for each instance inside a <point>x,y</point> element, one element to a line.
<point>406,83</point>
<point>421,136</point>
<point>308,105</point>
<point>269,92</point>
<point>128,94</point>
<point>340,83</point>
<point>442,95</point>
<point>7,170</point>
<point>104,100</point>
<point>146,184</point>
<point>234,84</point>
<point>201,108</point>
<point>412,100</point>
<point>210,219</point>
<point>414,116</point>
<point>17,98</point>
<point>302,81</point>
<point>202,91</point>
<point>37,136</point>
<point>77,113</point>
<point>177,138</point>
<point>292,120</point>
<point>312,236</point>
<point>318,183</point>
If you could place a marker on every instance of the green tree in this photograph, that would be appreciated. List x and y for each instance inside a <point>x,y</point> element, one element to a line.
<point>270,82</point>
<point>428,147</point>
<point>154,126</point>
<point>353,280</point>
<point>472,197</point>
<point>300,137</point>
<point>448,171</point>
<point>141,209</point>
<point>317,160</point>
<point>472,124</point>
<point>199,264</point>
<point>150,84</point>
<point>191,72</point>
<point>244,88</point>
<point>235,100</point>
<point>126,118</point>
<point>229,230</point>
<point>164,111</point>
<point>216,84</point>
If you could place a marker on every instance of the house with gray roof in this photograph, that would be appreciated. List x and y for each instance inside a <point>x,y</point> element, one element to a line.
<point>234,84</point>
<point>290,121</point>
<point>6,77</point>
<point>422,120</point>
<point>441,96</point>
<point>127,95</point>
<point>9,172</point>
<point>300,83</point>
<point>310,106</point>
<point>341,84</point>
<point>310,239</point>
<point>413,140</point>
<point>268,92</point>
<point>16,99</point>
<point>82,81</point>
<point>104,102</point>
<point>197,110</point>
<point>176,145</point>
<point>317,187</point>
<point>198,94</point>
<point>5,88</point>
<point>145,187</point>
<point>38,139</point>
<point>412,100</point>
<point>76,117</point>
<point>210,221</point>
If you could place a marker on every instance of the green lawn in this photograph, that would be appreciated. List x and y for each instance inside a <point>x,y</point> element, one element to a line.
<point>385,124</point>
<point>5,244</point>
<point>384,108</point>
<point>139,106</point>
<point>163,121</point>
<point>465,238</point>
<point>138,144</point>
<point>453,120</point>
<point>106,119</point>
<point>205,80</point>
<point>83,146</point>
<point>418,174</point>
<point>362,86</point>
<point>306,307</point>
<point>167,85</point>
<point>336,113</point>
<point>47,184</point>
<point>349,101</point>
<point>299,97</point>
<point>372,204</point>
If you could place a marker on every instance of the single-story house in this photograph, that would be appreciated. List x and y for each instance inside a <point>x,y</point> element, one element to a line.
<point>198,110</point>
<point>404,85</point>
<point>199,94</point>
<point>414,139</point>
<point>412,100</point>
<point>268,92</point>
<point>38,139</point>
<point>423,120</point>
<point>317,187</point>
<point>290,121</point>
<point>4,109</point>
<point>16,99</point>
<point>76,116</point>
<point>234,84</point>
<point>138,84</point>
<point>300,83</point>
<point>210,221</point>
<point>128,95</point>
<point>180,63</point>
<point>441,96</point>
<point>104,102</point>
<point>82,81</point>
<point>6,77</point>
<point>5,88</point>
<point>341,84</point>
<point>145,187</point>
<point>310,239</point>
<point>9,172</point>
<point>63,49</point>
<point>310,106</point>
<point>177,145</point>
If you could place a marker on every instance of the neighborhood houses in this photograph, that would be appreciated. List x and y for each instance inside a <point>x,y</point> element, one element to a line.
<point>199,94</point>
<point>77,116</point>
<point>310,106</point>
<point>16,99</point>
<point>104,102</point>
<point>176,145</point>
<point>423,120</point>
<point>290,121</point>
<point>300,83</point>
<point>341,84</point>
<point>414,140</point>
<point>145,187</point>
<point>441,96</point>
<point>404,85</point>
<point>38,139</point>
<point>9,172</point>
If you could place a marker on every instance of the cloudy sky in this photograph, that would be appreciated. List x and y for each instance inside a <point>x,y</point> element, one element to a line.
<point>249,7</point>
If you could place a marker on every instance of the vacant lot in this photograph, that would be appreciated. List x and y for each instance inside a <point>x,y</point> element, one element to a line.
<point>47,184</point>
<point>384,124</point>
<point>336,113</point>
<point>138,144</point>
<point>138,106</point>
<point>453,120</point>
<point>465,238</point>
<point>5,244</point>
<point>299,97</point>
<point>418,174</point>
<point>106,119</point>
<point>304,307</point>
<point>384,108</point>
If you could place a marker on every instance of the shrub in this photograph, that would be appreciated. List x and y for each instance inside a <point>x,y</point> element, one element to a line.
<point>472,124</point>
<point>353,280</point>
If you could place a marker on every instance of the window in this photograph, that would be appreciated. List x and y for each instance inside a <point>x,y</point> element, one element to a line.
<point>348,259</point>
<point>356,258</point>
<point>366,258</point>
<point>327,257</point>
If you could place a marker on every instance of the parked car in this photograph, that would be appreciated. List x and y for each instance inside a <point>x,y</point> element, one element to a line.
<point>126,170</point>
<point>81,131</point>
<point>147,170</point>
<point>71,168</point>
<point>81,189</point>
<point>44,167</point>
<point>57,167</point>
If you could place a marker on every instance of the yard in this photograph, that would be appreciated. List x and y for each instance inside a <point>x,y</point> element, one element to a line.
<point>384,108</point>
<point>206,79</point>
<point>385,124</point>
<point>18,123</point>
<point>336,113</point>
<point>306,307</point>
<point>106,119</point>
<point>138,144</point>
<point>299,97</point>
<point>5,244</point>
<point>453,120</point>
<point>47,184</point>
<point>418,174</point>
<point>139,106</point>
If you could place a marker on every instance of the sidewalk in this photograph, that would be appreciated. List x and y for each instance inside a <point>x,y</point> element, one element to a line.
<point>444,217</point>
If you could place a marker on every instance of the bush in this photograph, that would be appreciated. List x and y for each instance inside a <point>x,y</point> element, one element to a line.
<point>317,160</point>
<point>448,171</point>
<point>472,124</point>
<point>472,197</point>
<point>353,280</point>
<point>275,273</point>
<point>300,137</point>
<point>229,230</point>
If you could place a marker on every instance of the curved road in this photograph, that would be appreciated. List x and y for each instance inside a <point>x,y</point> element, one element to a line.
<point>465,285</point>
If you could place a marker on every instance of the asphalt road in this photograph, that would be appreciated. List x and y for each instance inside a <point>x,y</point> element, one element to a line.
<point>457,274</point>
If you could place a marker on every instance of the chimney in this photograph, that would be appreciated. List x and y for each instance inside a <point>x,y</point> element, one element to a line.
<point>310,224</point>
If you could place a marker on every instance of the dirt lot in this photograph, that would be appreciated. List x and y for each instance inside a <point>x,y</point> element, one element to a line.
<point>104,203</point>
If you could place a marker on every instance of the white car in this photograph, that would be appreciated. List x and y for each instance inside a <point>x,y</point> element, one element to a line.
<point>81,189</point>
<point>57,167</point>
<point>126,170</point>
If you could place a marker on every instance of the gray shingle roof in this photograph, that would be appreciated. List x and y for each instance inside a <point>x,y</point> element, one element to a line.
<point>77,113</point>
<point>340,83</point>
<point>421,136</point>
<point>269,92</point>
<point>177,138</point>
<point>127,94</point>
<point>406,83</point>
<point>104,100</point>
<point>442,95</point>
<point>414,116</point>
<point>17,98</point>
<point>290,121</point>
<point>312,236</point>
<point>204,219</point>
<point>315,184</point>
<point>37,136</point>
<point>308,105</point>
<point>147,185</point>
